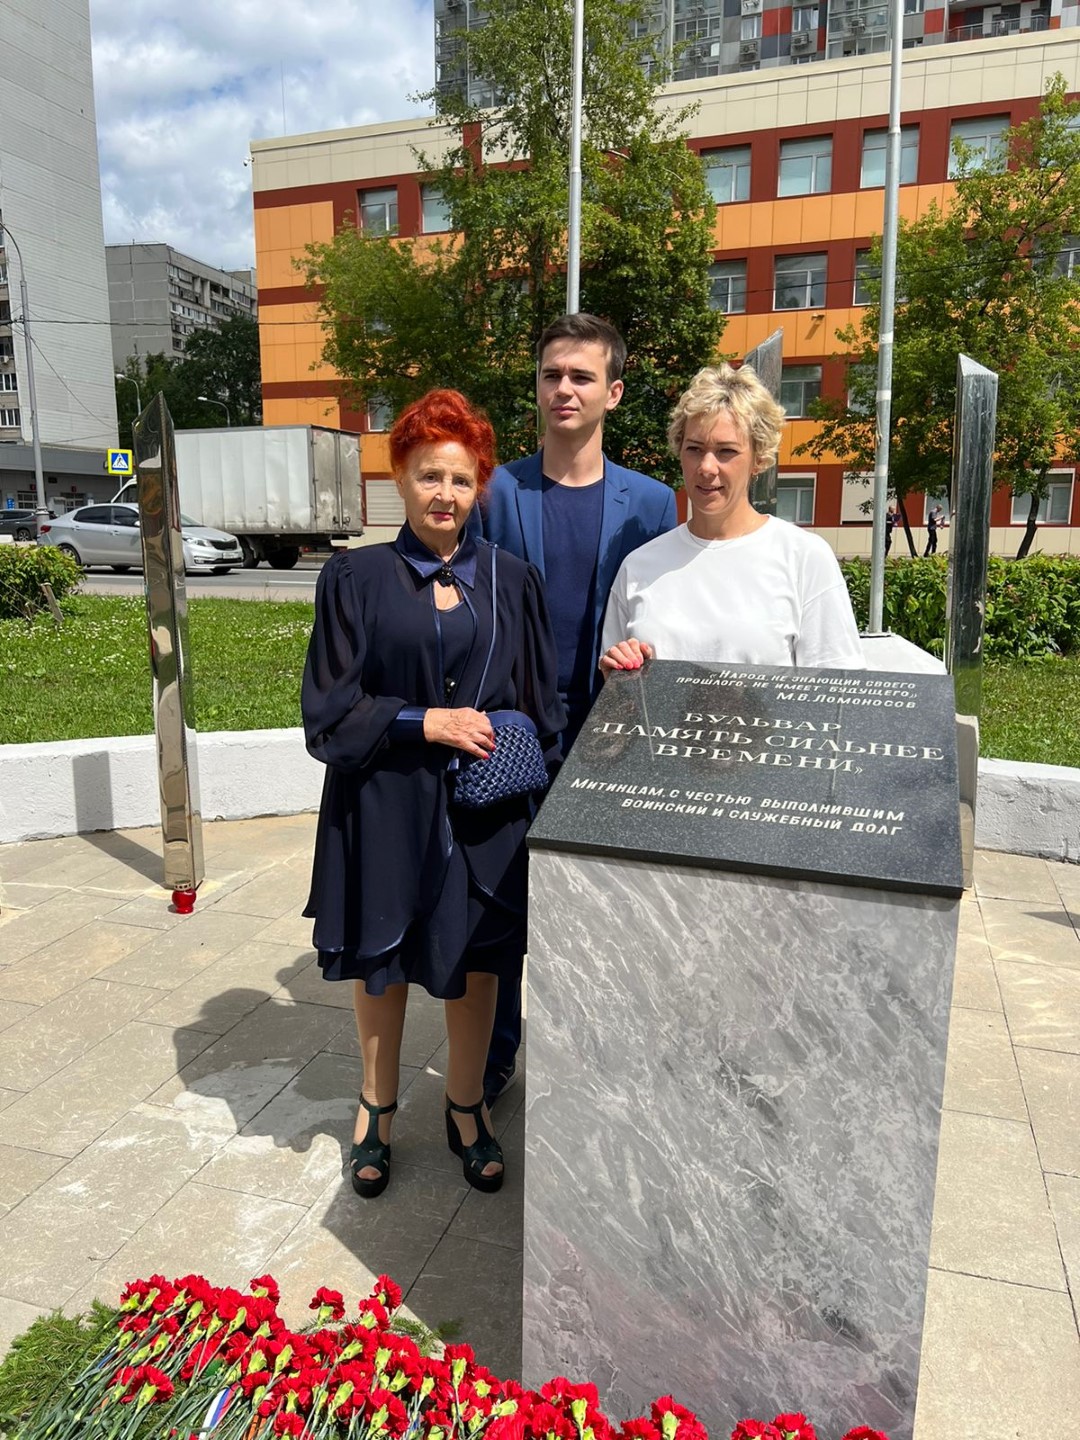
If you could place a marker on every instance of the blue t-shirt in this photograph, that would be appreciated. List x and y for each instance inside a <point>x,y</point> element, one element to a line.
<point>572,518</point>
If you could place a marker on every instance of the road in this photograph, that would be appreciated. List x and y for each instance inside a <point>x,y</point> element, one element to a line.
<point>260,584</point>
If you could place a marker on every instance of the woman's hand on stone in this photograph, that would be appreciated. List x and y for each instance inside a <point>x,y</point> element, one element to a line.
<point>463,729</point>
<point>626,655</point>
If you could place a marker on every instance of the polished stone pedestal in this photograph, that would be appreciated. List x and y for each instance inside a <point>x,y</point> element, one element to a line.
<point>732,1127</point>
<point>736,1062</point>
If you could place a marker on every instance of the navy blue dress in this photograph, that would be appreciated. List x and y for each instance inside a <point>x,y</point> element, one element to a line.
<point>405,886</point>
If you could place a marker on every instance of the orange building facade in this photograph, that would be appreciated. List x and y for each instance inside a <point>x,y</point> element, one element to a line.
<point>795,160</point>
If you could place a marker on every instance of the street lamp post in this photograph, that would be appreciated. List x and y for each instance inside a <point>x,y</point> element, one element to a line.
<point>573,234</point>
<point>886,312</point>
<point>138,400</point>
<point>209,400</point>
<point>42,511</point>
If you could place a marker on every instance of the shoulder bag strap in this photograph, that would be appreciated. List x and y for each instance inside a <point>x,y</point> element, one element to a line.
<point>491,647</point>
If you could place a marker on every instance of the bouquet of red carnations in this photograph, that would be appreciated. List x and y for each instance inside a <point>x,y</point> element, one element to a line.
<point>191,1361</point>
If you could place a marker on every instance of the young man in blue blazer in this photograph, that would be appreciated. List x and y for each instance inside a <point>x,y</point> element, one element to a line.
<point>575,515</point>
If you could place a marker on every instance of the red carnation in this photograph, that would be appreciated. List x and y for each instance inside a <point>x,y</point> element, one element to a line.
<point>639,1429</point>
<point>329,1300</point>
<point>795,1427</point>
<point>265,1285</point>
<point>386,1292</point>
<point>755,1430</point>
<point>288,1424</point>
<point>688,1426</point>
<point>460,1352</point>
<point>864,1432</point>
<point>144,1378</point>
<point>373,1314</point>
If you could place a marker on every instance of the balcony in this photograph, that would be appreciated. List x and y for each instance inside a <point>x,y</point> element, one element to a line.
<point>999,27</point>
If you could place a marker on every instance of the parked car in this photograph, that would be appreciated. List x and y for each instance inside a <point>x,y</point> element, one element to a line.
<point>20,523</point>
<point>109,535</point>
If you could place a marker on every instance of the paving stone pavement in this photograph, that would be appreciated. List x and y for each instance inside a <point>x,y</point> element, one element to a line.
<point>177,1093</point>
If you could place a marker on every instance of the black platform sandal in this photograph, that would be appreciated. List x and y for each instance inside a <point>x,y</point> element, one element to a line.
<point>483,1151</point>
<point>371,1153</point>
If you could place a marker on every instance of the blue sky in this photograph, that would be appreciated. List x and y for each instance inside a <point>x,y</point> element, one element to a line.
<point>181,90</point>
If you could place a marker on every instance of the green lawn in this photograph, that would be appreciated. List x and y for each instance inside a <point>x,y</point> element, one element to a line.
<point>92,678</point>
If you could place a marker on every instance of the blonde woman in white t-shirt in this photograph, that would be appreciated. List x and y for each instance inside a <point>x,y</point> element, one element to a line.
<point>731,584</point>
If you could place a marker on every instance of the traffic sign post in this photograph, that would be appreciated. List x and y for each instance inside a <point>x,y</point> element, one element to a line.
<point>118,462</point>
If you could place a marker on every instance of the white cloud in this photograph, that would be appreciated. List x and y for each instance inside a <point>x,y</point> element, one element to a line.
<point>180,93</point>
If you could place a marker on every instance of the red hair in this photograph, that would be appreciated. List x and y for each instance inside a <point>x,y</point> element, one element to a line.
<point>444,415</point>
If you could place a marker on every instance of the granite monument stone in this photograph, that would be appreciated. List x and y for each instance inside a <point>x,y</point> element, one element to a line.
<point>744,903</point>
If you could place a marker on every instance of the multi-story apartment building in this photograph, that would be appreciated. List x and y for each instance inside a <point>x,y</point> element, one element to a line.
<point>159,298</point>
<point>50,198</point>
<point>795,162</point>
<point>733,37</point>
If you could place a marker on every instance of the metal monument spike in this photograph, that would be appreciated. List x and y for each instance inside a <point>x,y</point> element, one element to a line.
<point>969,541</point>
<point>166,613</point>
<point>975,426</point>
<point>767,360</point>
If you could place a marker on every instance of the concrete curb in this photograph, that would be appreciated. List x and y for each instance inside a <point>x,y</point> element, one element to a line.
<point>73,786</point>
<point>70,787</point>
<point>1029,809</point>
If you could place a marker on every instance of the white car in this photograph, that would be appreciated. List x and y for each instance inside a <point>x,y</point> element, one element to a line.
<point>109,535</point>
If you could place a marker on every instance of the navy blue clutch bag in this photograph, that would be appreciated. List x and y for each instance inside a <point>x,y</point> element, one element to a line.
<point>515,766</point>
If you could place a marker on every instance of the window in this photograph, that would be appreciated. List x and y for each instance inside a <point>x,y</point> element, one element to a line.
<point>727,173</point>
<point>96,515</point>
<point>799,282</point>
<point>984,141</point>
<point>804,18</point>
<point>9,419</point>
<point>9,382</point>
<point>727,286</point>
<point>1054,508</point>
<point>795,499</point>
<point>862,389</point>
<point>7,348</point>
<point>874,146</point>
<point>864,271</point>
<point>805,166</point>
<point>3,273</point>
<point>750,27</point>
<point>914,7</point>
<point>380,413</point>
<point>378,211</point>
<point>1066,261</point>
<point>799,386</point>
<point>435,214</point>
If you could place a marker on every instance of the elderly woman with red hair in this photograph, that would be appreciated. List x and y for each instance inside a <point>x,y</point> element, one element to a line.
<point>414,643</point>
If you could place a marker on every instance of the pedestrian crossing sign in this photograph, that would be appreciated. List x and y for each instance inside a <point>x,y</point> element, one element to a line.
<point>119,463</point>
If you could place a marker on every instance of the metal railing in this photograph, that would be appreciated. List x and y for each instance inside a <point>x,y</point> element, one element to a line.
<point>998,27</point>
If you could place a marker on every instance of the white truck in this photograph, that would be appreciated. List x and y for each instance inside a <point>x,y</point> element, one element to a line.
<point>275,487</point>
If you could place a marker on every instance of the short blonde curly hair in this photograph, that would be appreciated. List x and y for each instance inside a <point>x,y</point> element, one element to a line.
<point>719,389</point>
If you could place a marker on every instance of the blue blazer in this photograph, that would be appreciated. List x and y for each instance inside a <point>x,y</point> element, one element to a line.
<point>636,509</point>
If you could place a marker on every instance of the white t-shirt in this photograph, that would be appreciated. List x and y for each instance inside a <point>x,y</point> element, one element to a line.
<point>773,597</point>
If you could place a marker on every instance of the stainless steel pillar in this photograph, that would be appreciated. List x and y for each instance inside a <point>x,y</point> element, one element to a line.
<point>166,611</point>
<point>767,360</point>
<point>969,549</point>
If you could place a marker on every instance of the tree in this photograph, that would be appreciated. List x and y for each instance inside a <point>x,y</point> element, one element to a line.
<point>222,364</point>
<point>986,278</point>
<point>467,310</point>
